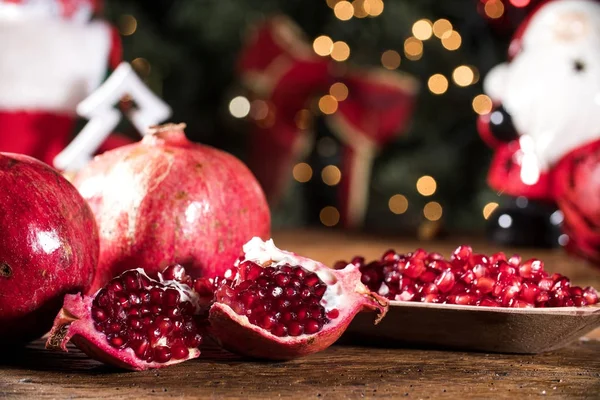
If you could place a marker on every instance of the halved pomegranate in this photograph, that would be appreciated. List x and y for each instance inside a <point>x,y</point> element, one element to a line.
<point>468,278</point>
<point>278,305</point>
<point>134,322</point>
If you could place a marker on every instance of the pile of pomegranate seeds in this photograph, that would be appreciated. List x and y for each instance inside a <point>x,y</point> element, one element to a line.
<point>470,279</point>
<point>285,300</point>
<point>147,316</point>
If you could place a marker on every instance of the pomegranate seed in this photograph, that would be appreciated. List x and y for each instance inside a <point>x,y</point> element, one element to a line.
<point>279,330</point>
<point>515,261</point>
<point>529,292</point>
<point>435,256</point>
<point>162,354</point>
<point>428,276</point>
<point>414,268</point>
<point>590,295</point>
<point>389,255</point>
<point>333,313</point>
<point>432,298</point>
<point>462,253</point>
<point>497,257</point>
<point>485,285</point>
<point>545,284</point>
<point>311,326</point>
<point>445,281</point>
<point>479,260</point>
<point>179,352</point>
<point>487,302</point>
<point>531,268</point>
<point>521,304</point>
<point>294,328</point>
<point>116,341</point>
<point>430,288</point>
<point>480,270</point>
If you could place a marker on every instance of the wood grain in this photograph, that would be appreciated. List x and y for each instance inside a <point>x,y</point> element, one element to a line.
<point>342,371</point>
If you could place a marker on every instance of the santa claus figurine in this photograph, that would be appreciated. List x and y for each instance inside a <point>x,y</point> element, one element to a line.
<point>53,56</point>
<point>547,105</point>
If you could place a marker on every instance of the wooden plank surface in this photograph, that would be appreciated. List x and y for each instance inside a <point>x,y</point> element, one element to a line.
<point>348,371</point>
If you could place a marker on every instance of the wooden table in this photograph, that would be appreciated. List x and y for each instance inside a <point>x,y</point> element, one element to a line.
<point>348,371</point>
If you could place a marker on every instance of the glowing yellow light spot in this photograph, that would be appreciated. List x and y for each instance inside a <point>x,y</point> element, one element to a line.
<point>488,209</point>
<point>398,204</point>
<point>329,216</point>
<point>441,28</point>
<point>438,84</point>
<point>343,10</point>
<point>239,107</point>
<point>432,211</point>
<point>451,41</point>
<point>426,185</point>
<point>422,29</point>
<point>374,8</point>
<point>303,119</point>
<point>482,104</point>
<point>141,66</point>
<point>339,91</point>
<point>475,74</point>
<point>341,51</point>
<point>127,25</point>
<point>331,175</point>
<point>413,48</point>
<point>463,75</point>
<point>390,59</point>
<point>361,8</point>
<point>328,104</point>
<point>259,109</point>
<point>332,3</point>
<point>326,147</point>
<point>323,45</point>
<point>302,172</point>
<point>494,8</point>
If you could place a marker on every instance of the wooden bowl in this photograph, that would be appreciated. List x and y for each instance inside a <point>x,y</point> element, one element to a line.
<point>488,329</point>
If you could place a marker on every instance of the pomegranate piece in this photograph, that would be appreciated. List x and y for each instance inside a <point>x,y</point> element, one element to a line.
<point>280,306</point>
<point>469,278</point>
<point>48,246</point>
<point>134,322</point>
<point>166,200</point>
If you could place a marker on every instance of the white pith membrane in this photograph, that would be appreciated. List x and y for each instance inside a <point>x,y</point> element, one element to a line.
<point>267,254</point>
<point>78,313</point>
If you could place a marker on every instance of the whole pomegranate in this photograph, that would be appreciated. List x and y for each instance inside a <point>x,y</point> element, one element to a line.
<point>166,200</point>
<point>48,246</point>
<point>577,192</point>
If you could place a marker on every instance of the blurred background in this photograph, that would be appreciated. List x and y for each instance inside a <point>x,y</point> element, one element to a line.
<point>427,178</point>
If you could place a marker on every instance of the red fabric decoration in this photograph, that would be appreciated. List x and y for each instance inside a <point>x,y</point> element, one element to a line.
<point>280,67</point>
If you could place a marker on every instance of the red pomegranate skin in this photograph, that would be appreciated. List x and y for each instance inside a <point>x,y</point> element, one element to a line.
<point>577,193</point>
<point>166,200</point>
<point>48,246</point>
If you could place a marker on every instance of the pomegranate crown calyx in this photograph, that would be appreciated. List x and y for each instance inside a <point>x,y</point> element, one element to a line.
<point>171,134</point>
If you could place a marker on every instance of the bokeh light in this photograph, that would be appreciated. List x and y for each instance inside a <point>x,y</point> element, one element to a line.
<point>432,211</point>
<point>127,25</point>
<point>520,3</point>
<point>488,209</point>
<point>302,172</point>
<point>303,119</point>
<point>374,7</point>
<point>398,204</point>
<point>239,107</point>
<point>343,10</point>
<point>426,185</point>
<point>332,3</point>
<point>259,110</point>
<point>339,90</point>
<point>422,29</point>
<point>413,48</point>
<point>328,104</point>
<point>463,75</point>
<point>437,84</point>
<point>361,8</point>
<point>326,147</point>
<point>340,51</point>
<point>442,28</point>
<point>141,66</point>
<point>390,59</point>
<point>323,45</point>
<point>331,175</point>
<point>494,8</point>
<point>451,41</point>
<point>482,104</point>
<point>329,216</point>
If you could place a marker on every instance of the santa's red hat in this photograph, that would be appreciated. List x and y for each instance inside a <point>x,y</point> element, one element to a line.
<point>77,10</point>
<point>545,14</point>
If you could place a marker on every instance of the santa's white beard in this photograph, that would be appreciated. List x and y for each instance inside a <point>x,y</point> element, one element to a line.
<point>51,65</point>
<point>552,102</point>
